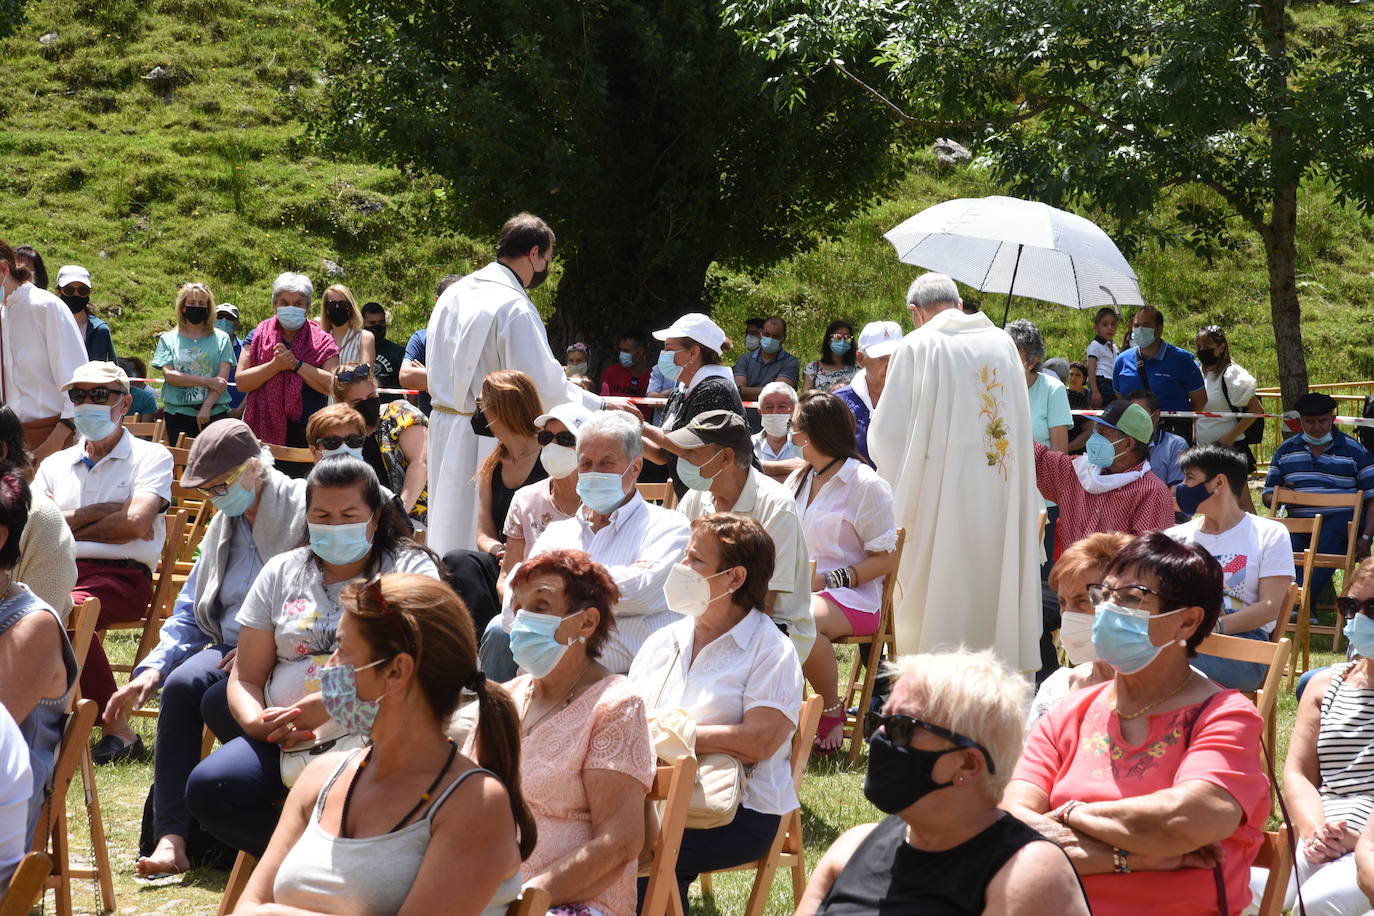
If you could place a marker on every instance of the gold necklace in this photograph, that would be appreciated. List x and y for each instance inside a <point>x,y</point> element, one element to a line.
<point>562,703</point>
<point>1188,679</point>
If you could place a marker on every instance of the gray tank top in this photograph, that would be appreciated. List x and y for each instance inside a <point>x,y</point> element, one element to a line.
<point>367,876</point>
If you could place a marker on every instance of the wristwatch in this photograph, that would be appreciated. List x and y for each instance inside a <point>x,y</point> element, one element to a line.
<point>299,363</point>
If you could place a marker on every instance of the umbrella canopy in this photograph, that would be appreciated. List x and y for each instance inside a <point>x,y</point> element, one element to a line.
<point>1005,244</point>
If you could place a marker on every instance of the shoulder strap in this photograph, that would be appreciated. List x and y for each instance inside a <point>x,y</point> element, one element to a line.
<point>443,796</point>
<point>333,778</point>
<point>1140,370</point>
<point>668,671</point>
<point>1226,394</point>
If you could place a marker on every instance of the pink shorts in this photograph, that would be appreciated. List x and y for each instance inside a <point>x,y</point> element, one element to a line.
<point>863,623</point>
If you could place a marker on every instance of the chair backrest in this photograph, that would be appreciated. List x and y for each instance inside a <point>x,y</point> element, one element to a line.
<point>663,833</point>
<point>1274,856</point>
<point>82,624</point>
<point>151,430</point>
<point>1302,559</point>
<point>26,884</point>
<point>199,511</point>
<point>803,739</point>
<point>1353,501</point>
<point>160,607</point>
<point>1272,654</point>
<point>890,585</point>
<point>290,453</point>
<point>1290,602</point>
<point>180,455</point>
<point>661,493</point>
<point>76,729</point>
<point>534,901</point>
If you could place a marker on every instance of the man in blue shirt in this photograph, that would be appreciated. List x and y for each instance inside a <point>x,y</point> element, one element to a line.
<point>1323,460</point>
<point>769,363</point>
<point>1171,373</point>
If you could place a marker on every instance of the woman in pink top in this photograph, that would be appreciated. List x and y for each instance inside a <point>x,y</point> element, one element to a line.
<point>585,762</point>
<point>1151,782</point>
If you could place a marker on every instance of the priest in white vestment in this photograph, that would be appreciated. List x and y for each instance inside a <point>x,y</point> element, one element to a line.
<point>482,323</point>
<point>952,435</point>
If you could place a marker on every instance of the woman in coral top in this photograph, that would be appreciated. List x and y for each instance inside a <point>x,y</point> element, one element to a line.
<point>1151,782</point>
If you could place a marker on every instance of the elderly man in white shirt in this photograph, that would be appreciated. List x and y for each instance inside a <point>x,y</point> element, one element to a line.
<point>772,445</point>
<point>637,542</point>
<point>112,489</point>
<point>720,477</point>
<point>40,348</point>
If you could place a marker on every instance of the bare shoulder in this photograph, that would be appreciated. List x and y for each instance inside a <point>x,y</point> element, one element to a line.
<point>1037,879</point>
<point>848,842</point>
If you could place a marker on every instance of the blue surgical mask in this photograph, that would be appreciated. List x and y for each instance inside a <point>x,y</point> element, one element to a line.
<point>290,317</point>
<point>601,491</point>
<point>93,421</point>
<point>627,359</point>
<point>533,644</point>
<point>226,325</point>
<point>340,544</point>
<point>1190,499</point>
<point>1317,440</point>
<point>1122,637</point>
<point>339,693</point>
<point>839,347</point>
<point>666,367</point>
<point>1100,451</point>
<point>1360,631</point>
<point>343,450</point>
<point>235,501</point>
<point>691,475</point>
<point>770,344</point>
<point>1143,337</point>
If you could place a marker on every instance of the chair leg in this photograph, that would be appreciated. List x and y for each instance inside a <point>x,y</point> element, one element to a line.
<point>705,881</point>
<point>104,875</point>
<point>61,862</point>
<point>238,880</point>
<point>875,656</point>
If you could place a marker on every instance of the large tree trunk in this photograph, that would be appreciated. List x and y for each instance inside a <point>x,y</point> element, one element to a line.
<point>1281,257</point>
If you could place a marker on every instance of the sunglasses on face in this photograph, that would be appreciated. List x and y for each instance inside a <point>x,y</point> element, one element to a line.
<point>329,443</point>
<point>901,729</point>
<point>1349,607</point>
<point>93,395</point>
<point>354,375</point>
<point>332,302</point>
<point>565,439</point>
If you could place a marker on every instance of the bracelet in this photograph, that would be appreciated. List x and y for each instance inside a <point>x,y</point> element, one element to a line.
<point>1119,863</point>
<point>1061,814</point>
<point>839,578</point>
<point>1219,629</point>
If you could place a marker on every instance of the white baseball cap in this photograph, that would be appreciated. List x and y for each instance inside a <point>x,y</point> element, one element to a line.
<point>568,413</point>
<point>698,327</point>
<point>880,338</point>
<point>73,273</point>
<point>98,372</point>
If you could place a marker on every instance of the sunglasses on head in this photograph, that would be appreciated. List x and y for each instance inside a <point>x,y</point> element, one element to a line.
<point>901,729</point>
<point>93,395</point>
<point>356,374</point>
<point>565,439</point>
<point>1349,607</point>
<point>329,443</point>
<point>374,587</point>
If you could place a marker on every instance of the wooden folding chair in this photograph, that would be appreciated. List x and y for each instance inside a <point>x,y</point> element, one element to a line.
<point>27,884</point>
<point>291,453</point>
<point>1344,561</point>
<point>51,834</point>
<point>1303,562</point>
<point>661,493</point>
<point>863,672</point>
<point>663,841</point>
<point>533,901</point>
<point>238,880</point>
<point>199,511</point>
<point>160,607</point>
<point>787,850</point>
<point>1273,655</point>
<point>1275,856</point>
<point>152,430</point>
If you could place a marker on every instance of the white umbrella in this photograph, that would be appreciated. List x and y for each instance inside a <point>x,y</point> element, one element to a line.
<point>1001,244</point>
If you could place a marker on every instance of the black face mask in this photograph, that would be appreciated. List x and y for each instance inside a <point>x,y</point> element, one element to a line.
<point>370,408</point>
<point>1207,357</point>
<point>538,277</point>
<point>339,315</point>
<point>196,314</point>
<point>378,332</point>
<point>899,777</point>
<point>76,303</point>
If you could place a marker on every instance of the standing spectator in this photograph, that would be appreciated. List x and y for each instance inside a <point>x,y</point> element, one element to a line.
<point>339,316</point>
<point>691,359</point>
<point>227,320</point>
<point>659,387</point>
<point>483,323</point>
<point>877,342</point>
<point>773,447</point>
<point>1165,447</point>
<point>836,365</point>
<point>113,489</point>
<point>145,398</point>
<point>1101,357</point>
<point>397,436</point>
<point>74,288</point>
<point>40,348</point>
<point>628,377</point>
<point>769,363</point>
<point>389,353</point>
<point>1167,371</point>
<point>195,358</point>
<point>28,256</point>
<point>287,369</point>
<point>1230,389</point>
<point>413,373</point>
<point>1323,460</point>
<point>753,334</point>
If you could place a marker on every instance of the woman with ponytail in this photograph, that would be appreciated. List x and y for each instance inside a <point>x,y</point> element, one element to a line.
<point>409,824</point>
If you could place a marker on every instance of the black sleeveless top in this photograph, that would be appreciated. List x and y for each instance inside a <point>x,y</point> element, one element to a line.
<point>885,875</point>
<point>502,495</point>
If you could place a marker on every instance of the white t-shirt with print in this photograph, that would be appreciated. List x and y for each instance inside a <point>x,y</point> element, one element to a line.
<point>1255,548</point>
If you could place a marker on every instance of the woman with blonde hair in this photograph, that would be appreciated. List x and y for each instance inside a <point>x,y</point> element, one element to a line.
<point>340,316</point>
<point>400,825</point>
<point>195,358</point>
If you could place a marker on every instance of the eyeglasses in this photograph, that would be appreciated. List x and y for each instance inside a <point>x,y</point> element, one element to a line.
<point>841,336</point>
<point>901,729</point>
<point>99,396</point>
<point>329,443</point>
<point>374,587</point>
<point>331,302</point>
<point>220,489</point>
<point>1349,607</point>
<point>356,374</point>
<point>1130,597</point>
<point>565,439</point>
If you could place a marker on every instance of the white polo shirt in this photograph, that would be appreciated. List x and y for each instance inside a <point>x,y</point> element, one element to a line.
<point>40,348</point>
<point>134,466</point>
<point>771,505</point>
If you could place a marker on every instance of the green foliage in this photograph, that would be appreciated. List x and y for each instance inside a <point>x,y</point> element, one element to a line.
<point>639,130</point>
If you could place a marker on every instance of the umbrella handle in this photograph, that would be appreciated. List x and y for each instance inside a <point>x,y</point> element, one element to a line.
<point>1006,310</point>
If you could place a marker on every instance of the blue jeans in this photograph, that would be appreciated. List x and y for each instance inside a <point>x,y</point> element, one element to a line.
<point>493,653</point>
<point>193,696</point>
<point>1228,672</point>
<point>1333,539</point>
<point>236,794</point>
<point>744,839</point>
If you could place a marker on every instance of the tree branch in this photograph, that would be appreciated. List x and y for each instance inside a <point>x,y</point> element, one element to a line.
<point>905,118</point>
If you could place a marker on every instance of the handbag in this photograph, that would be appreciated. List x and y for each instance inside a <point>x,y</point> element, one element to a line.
<point>294,761</point>
<point>1254,433</point>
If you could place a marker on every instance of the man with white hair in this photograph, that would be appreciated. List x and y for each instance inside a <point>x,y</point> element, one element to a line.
<point>952,435</point>
<point>637,542</point>
<point>777,454</point>
<point>877,342</point>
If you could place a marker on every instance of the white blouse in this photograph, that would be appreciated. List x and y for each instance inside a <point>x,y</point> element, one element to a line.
<point>848,519</point>
<point>751,666</point>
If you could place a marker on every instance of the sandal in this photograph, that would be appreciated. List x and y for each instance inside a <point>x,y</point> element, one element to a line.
<point>832,717</point>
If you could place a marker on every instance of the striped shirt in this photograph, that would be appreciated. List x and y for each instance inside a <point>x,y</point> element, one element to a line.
<point>1343,467</point>
<point>638,547</point>
<point>1140,506</point>
<point>1345,751</point>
